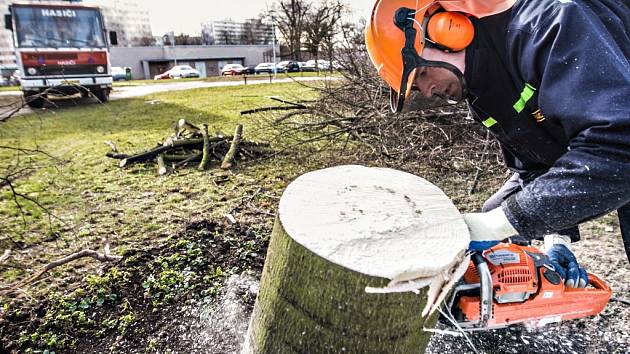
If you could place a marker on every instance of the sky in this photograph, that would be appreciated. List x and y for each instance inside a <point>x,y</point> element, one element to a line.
<point>186,16</point>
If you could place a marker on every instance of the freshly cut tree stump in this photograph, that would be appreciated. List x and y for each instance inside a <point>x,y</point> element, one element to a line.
<point>338,231</point>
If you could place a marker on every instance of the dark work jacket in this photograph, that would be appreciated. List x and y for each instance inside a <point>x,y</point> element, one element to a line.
<point>551,80</point>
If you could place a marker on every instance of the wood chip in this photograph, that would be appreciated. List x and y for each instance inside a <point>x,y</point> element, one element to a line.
<point>231,218</point>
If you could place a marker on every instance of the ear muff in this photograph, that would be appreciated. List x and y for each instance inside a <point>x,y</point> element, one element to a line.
<point>451,30</point>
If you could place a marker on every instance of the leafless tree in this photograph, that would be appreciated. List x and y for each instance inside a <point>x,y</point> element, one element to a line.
<point>321,27</point>
<point>254,31</point>
<point>354,110</point>
<point>146,41</point>
<point>184,39</point>
<point>290,17</point>
<point>226,37</point>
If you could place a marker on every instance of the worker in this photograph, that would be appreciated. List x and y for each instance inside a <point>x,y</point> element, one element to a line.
<point>550,79</point>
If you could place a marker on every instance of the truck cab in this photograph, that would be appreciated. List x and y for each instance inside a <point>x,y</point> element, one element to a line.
<point>61,49</point>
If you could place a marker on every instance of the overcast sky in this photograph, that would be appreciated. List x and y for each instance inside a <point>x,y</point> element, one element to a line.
<point>186,16</point>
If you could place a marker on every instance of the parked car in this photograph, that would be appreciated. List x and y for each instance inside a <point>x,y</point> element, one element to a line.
<point>178,72</point>
<point>118,73</point>
<point>248,70</point>
<point>288,66</point>
<point>181,71</point>
<point>162,76</point>
<point>264,68</point>
<point>232,69</point>
<point>321,65</point>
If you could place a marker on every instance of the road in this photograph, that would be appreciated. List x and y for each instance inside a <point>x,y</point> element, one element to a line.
<point>121,92</point>
<point>142,90</point>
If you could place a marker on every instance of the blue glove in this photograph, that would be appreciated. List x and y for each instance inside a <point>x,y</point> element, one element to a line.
<point>567,266</point>
<point>481,245</point>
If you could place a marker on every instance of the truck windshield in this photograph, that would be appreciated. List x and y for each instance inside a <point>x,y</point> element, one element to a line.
<point>58,27</point>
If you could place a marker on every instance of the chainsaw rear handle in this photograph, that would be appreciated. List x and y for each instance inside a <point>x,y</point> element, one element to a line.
<point>597,283</point>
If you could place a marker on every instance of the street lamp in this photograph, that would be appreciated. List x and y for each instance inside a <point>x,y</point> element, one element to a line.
<point>273,40</point>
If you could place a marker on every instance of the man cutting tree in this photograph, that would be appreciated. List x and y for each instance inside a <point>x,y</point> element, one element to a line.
<point>550,79</point>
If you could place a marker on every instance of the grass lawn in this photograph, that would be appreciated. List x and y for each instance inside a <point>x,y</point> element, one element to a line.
<point>94,202</point>
<point>9,88</point>
<point>219,78</point>
<point>151,299</point>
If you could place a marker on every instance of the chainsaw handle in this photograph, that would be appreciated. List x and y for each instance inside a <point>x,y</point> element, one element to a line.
<point>597,283</point>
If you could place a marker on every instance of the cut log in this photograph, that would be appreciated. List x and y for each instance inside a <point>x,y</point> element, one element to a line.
<point>228,160</point>
<point>205,159</point>
<point>118,156</point>
<point>186,157</point>
<point>338,231</point>
<point>185,125</point>
<point>151,154</point>
<point>161,165</point>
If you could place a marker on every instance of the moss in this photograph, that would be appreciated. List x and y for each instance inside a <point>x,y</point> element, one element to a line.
<point>308,303</point>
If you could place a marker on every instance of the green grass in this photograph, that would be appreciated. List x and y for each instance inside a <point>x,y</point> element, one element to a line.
<point>9,88</point>
<point>219,78</point>
<point>100,203</point>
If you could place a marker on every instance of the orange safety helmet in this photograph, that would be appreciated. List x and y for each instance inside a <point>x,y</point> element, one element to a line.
<point>395,37</point>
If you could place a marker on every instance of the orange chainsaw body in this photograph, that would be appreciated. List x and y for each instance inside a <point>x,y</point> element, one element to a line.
<point>527,290</point>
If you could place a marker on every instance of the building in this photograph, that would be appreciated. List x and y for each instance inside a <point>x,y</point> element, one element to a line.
<point>146,62</point>
<point>128,20</point>
<point>228,32</point>
<point>7,54</point>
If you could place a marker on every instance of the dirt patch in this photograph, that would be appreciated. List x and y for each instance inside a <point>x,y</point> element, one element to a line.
<point>600,252</point>
<point>162,299</point>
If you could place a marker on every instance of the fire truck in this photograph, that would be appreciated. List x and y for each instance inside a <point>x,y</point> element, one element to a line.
<point>61,49</point>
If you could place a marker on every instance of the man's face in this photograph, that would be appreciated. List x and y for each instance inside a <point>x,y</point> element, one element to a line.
<point>440,82</point>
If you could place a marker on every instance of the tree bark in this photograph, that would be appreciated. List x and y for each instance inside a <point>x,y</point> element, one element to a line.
<point>338,231</point>
<point>185,125</point>
<point>161,165</point>
<point>228,160</point>
<point>205,159</point>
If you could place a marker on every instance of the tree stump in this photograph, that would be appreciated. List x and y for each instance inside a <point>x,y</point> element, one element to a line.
<point>338,231</point>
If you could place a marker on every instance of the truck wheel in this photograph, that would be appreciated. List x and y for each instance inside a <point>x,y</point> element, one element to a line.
<point>34,100</point>
<point>102,95</point>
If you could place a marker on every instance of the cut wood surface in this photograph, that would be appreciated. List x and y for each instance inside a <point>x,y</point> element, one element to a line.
<point>338,231</point>
<point>376,221</point>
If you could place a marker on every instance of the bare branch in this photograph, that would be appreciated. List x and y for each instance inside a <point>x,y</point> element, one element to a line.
<point>103,257</point>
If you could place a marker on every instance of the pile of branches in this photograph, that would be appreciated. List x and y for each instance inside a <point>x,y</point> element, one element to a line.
<point>191,145</point>
<point>355,110</point>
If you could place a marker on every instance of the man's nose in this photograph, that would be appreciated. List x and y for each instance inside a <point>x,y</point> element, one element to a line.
<point>425,87</point>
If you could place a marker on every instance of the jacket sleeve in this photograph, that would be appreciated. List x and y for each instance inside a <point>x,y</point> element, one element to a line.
<point>582,73</point>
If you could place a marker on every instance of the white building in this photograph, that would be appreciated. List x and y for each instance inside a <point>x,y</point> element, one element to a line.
<point>228,32</point>
<point>7,55</point>
<point>129,20</point>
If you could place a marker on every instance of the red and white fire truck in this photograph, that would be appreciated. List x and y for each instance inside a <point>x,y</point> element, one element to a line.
<point>61,49</point>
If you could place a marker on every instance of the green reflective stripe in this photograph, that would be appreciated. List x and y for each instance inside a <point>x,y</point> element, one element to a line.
<point>489,122</point>
<point>526,94</point>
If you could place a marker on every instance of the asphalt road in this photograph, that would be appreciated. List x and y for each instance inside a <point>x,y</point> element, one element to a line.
<point>121,92</point>
<point>142,90</point>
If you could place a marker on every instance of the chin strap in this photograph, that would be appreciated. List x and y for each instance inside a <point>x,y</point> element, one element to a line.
<point>403,18</point>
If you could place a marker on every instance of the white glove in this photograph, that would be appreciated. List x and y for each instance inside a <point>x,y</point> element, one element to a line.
<point>489,226</point>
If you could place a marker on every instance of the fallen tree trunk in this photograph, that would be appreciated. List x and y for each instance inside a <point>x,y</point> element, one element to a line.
<point>338,231</point>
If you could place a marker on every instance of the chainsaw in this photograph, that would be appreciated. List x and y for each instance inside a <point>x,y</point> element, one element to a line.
<point>511,284</point>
